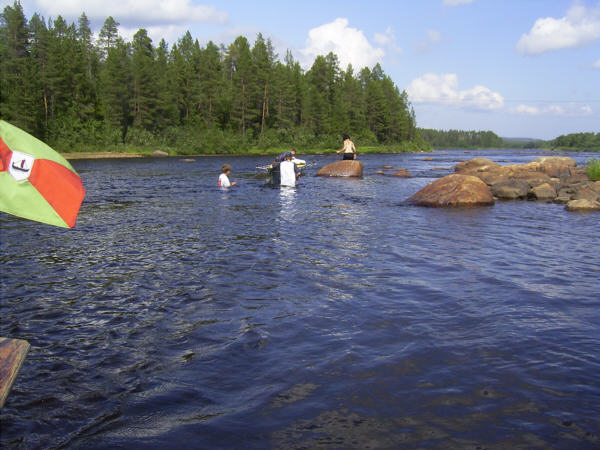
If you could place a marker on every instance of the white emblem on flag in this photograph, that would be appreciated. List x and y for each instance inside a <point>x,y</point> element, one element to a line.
<point>21,165</point>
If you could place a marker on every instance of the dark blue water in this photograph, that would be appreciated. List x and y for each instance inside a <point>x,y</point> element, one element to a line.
<point>179,315</point>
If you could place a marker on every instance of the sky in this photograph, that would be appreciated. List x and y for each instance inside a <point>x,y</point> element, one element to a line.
<point>520,68</point>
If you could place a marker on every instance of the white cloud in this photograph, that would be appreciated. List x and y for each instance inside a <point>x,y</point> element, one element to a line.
<point>579,27</point>
<point>140,12</point>
<point>349,44</point>
<point>388,40</point>
<point>596,65</point>
<point>432,38</point>
<point>443,89</point>
<point>566,110</point>
<point>456,2</point>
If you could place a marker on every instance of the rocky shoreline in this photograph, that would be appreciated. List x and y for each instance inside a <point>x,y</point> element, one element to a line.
<point>481,181</point>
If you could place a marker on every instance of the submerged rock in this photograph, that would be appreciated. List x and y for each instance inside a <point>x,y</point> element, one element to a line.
<point>345,168</point>
<point>452,191</point>
<point>402,173</point>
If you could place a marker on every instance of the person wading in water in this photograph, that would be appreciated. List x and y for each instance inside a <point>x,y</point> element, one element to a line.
<point>349,149</point>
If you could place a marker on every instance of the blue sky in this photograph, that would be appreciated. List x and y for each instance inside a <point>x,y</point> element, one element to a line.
<point>521,68</point>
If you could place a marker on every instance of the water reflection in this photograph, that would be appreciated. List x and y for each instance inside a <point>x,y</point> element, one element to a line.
<point>287,203</point>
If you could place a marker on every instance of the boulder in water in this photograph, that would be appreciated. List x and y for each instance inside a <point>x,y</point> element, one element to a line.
<point>583,205</point>
<point>402,173</point>
<point>454,190</point>
<point>344,168</point>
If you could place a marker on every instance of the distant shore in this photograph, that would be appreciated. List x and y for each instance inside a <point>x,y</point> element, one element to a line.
<point>100,155</point>
<point>267,152</point>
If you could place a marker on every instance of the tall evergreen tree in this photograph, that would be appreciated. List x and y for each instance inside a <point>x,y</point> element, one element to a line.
<point>239,73</point>
<point>14,42</point>
<point>166,106</point>
<point>116,88</point>
<point>109,35</point>
<point>144,87</point>
<point>211,83</point>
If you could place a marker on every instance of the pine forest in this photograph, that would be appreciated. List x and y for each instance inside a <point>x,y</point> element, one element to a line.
<point>81,93</point>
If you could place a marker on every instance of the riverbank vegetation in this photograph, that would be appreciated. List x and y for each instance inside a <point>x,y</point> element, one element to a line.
<point>461,139</point>
<point>583,142</point>
<point>440,139</point>
<point>593,169</point>
<point>81,94</point>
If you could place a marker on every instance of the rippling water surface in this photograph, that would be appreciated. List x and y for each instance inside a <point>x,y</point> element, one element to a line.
<point>179,315</point>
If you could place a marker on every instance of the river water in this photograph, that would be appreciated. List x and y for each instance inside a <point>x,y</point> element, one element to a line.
<point>180,315</point>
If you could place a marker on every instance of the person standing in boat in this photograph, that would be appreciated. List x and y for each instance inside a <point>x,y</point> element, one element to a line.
<point>349,149</point>
<point>224,177</point>
<point>288,171</point>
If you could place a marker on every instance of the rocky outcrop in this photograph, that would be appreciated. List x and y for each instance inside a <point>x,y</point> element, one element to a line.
<point>548,178</point>
<point>347,168</point>
<point>453,191</point>
<point>159,153</point>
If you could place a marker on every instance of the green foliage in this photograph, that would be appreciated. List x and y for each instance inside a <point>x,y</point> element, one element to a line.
<point>593,169</point>
<point>461,139</point>
<point>77,94</point>
<point>586,142</point>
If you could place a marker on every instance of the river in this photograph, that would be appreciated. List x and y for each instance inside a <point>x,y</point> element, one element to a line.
<point>180,315</point>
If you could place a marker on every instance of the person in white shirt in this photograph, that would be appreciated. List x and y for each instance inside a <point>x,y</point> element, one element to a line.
<point>288,172</point>
<point>224,177</point>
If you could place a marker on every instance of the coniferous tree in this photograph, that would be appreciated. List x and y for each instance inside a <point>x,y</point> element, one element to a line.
<point>14,42</point>
<point>60,84</point>
<point>108,36</point>
<point>166,107</point>
<point>116,88</point>
<point>144,83</point>
<point>239,74</point>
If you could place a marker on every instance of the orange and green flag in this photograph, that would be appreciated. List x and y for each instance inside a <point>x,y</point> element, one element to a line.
<point>36,182</point>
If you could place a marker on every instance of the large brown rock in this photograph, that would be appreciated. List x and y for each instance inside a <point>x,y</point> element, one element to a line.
<point>532,178</point>
<point>588,191</point>
<point>583,205</point>
<point>556,166</point>
<point>454,190</point>
<point>476,165</point>
<point>543,192</point>
<point>347,168</point>
<point>511,189</point>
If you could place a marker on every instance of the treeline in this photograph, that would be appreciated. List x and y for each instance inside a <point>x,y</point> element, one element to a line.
<point>589,142</point>
<point>461,139</point>
<point>78,93</point>
<point>585,142</point>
